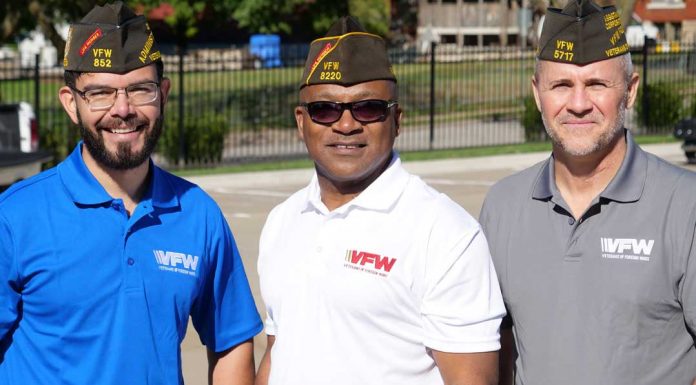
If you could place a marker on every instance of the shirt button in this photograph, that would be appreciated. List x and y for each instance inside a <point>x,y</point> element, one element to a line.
<point>131,261</point>
<point>319,248</point>
<point>571,221</point>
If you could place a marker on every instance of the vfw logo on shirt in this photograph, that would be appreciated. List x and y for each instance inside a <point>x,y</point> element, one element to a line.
<point>176,262</point>
<point>369,262</point>
<point>627,248</point>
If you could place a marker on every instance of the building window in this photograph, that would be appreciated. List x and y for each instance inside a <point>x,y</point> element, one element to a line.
<point>448,39</point>
<point>491,40</point>
<point>470,40</point>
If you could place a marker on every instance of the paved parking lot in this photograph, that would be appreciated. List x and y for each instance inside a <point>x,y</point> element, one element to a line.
<point>247,198</point>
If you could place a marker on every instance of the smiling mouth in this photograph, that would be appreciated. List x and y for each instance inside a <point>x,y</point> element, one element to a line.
<point>125,130</point>
<point>348,146</point>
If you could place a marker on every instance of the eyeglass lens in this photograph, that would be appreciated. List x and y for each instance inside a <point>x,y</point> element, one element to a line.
<point>138,94</point>
<point>364,111</point>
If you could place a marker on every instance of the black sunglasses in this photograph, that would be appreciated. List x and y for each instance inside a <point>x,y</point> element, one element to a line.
<point>364,111</point>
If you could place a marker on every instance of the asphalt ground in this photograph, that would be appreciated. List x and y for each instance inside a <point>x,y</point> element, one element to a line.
<point>247,198</point>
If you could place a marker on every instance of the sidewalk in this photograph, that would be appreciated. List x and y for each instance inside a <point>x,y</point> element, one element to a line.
<point>669,151</point>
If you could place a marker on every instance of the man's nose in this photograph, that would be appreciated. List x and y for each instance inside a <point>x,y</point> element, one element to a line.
<point>346,124</point>
<point>580,101</point>
<point>122,107</point>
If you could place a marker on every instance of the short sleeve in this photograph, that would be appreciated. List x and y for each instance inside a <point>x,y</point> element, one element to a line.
<point>224,313</point>
<point>462,306</point>
<point>267,234</point>
<point>687,294</point>
<point>9,280</point>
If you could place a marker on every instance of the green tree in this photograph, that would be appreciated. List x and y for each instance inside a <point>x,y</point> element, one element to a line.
<point>373,14</point>
<point>21,16</point>
<point>313,16</point>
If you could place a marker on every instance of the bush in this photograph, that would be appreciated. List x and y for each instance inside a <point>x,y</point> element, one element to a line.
<point>664,104</point>
<point>204,140</point>
<point>531,121</point>
<point>691,111</point>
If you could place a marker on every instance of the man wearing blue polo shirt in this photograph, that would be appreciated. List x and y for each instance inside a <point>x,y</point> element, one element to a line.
<point>104,258</point>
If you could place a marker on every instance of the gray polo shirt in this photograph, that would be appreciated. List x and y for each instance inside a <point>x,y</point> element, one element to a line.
<point>610,298</point>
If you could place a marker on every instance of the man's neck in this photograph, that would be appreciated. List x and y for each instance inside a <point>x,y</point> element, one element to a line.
<point>335,194</point>
<point>581,179</point>
<point>127,185</point>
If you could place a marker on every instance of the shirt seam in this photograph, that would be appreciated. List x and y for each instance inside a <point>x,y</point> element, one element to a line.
<point>15,260</point>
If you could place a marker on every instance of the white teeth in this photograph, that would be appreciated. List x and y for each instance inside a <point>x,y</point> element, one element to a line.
<point>123,130</point>
<point>346,146</point>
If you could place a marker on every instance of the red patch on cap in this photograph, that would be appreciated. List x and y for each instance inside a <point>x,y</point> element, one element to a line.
<point>324,51</point>
<point>90,41</point>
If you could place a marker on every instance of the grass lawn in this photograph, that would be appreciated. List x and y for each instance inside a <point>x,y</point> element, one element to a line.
<point>408,156</point>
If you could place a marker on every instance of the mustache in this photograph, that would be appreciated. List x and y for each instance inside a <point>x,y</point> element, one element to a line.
<point>117,123</point>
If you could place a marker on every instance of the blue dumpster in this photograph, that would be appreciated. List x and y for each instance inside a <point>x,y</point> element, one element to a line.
<point>267,49</point>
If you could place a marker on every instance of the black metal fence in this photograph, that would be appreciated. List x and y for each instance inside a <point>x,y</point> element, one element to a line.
<point>226,106</point>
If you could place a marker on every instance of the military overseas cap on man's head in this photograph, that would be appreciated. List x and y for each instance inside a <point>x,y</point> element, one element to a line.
<point>347,55</point>
<point>582,33</point>
<point>111,38</point>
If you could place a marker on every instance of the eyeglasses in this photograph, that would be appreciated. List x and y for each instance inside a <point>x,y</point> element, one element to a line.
<point>364,111</point>
<point>100,99</point>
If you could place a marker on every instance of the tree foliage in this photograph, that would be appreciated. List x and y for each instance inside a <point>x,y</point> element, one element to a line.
<point>310,17</point>
<point>185,16</point>
<point>20,16</point>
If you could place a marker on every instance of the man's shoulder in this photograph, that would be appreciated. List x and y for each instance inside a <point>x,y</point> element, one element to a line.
<point>666,181</point>
<point>664,171</point>
<point>185,189</point>
<point>430,202</point>
<point>31,191</point>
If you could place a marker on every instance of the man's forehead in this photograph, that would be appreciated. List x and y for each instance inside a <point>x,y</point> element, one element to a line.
<point>143,74</point>
<point>365,90</point>
<point>604,69</point>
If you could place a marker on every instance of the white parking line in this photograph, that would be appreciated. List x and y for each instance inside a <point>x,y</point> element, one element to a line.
<point>265,193</point>
<point>452,182</point>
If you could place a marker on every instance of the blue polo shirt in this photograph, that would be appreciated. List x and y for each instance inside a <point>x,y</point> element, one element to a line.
<point>89,295</point>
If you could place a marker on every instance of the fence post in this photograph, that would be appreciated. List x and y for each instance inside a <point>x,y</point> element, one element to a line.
<point>432,94</point>
<point>182,134</point>
<point>37,88</point>
<point>646,100</point>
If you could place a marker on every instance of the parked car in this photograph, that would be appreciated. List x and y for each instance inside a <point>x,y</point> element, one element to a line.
<point>686,130</point>
<point>20,156</point>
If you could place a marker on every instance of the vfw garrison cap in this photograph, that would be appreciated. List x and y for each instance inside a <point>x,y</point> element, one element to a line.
<point>110,38</point>
<point>582,33</point>
<point>347,55</point>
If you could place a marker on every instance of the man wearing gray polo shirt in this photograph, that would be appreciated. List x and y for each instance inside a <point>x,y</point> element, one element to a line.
<point>595,246</point>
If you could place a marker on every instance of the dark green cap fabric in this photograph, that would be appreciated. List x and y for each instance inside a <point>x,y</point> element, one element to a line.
<point>111,38</point>
<point>581,33</point>
<point>347,55</point>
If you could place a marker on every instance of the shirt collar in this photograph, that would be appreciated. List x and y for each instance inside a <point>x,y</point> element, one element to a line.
<point>380,195</point>
<point>626,186</point>
<point>84,188</point>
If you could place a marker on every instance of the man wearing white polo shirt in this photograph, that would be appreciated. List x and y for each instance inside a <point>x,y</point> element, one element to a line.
<point>369,276</point>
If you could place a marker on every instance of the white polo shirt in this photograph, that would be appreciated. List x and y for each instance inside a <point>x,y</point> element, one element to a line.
<point>360,294</point>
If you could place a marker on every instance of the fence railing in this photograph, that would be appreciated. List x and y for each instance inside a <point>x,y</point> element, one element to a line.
<point>226,106</point>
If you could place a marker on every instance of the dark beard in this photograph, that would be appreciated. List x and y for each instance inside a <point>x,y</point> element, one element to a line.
<point>124,158</point>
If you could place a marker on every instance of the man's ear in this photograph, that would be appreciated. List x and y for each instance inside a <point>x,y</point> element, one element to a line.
<point>397,119</point>
<point>632,90</point>
<point>299,119</point>
<point>67,99</point>
<point>165,86</point>
<point>535,91</point>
